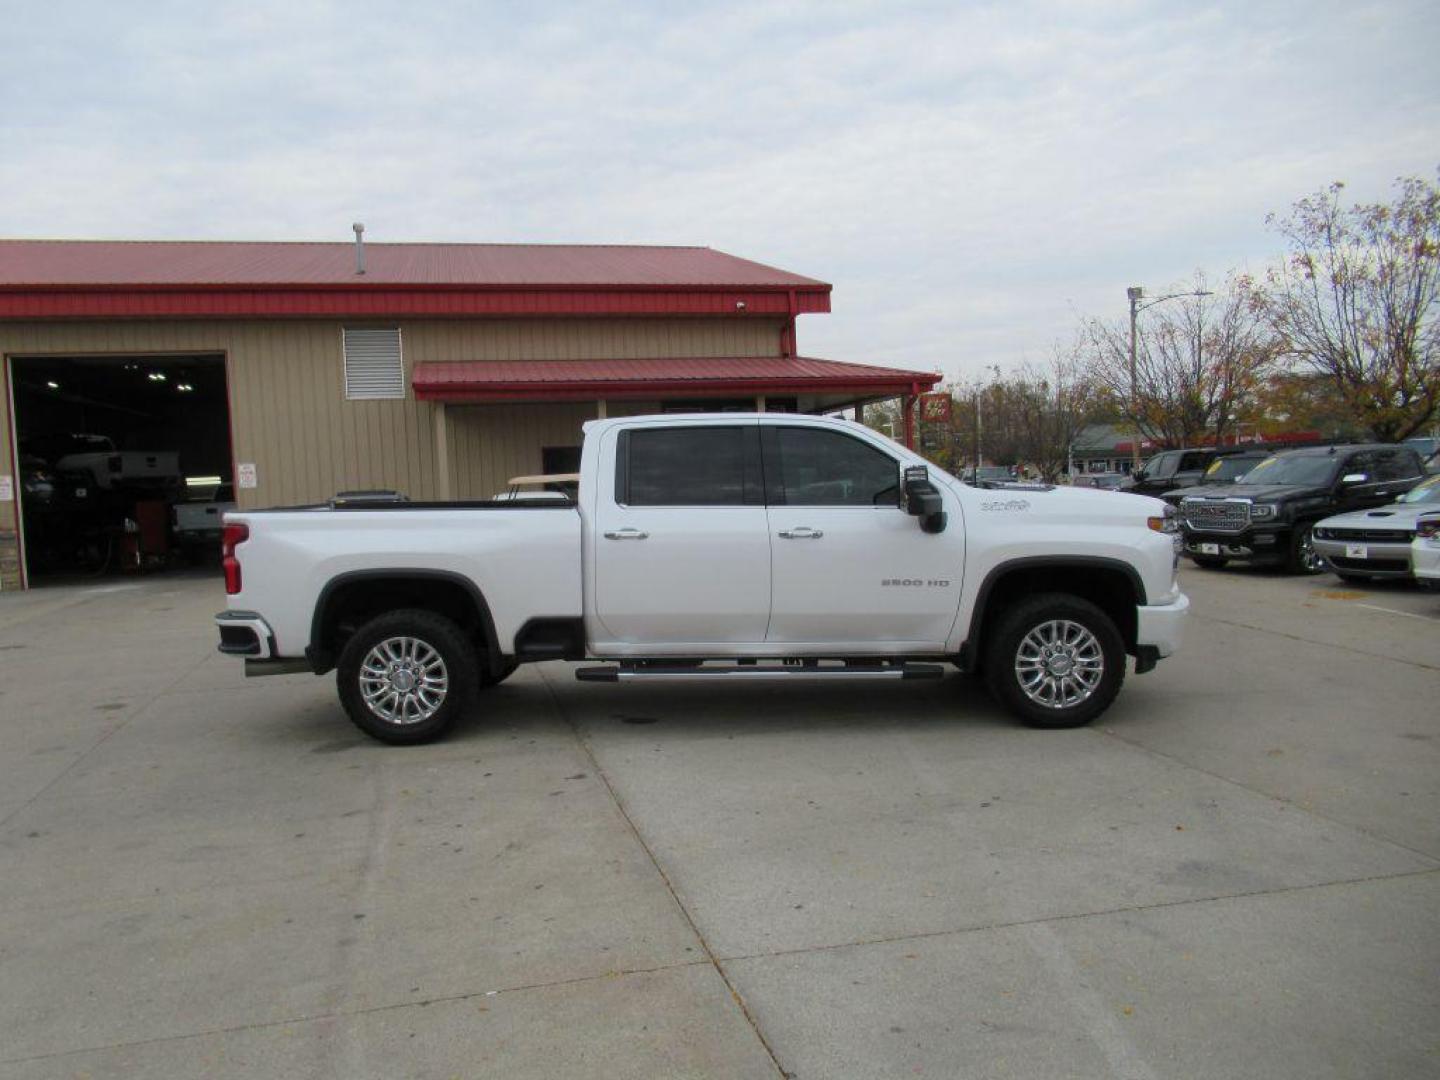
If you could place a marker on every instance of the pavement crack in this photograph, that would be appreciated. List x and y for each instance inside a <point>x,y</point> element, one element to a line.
<point>103,739</point>
<point>710,956</point>
<point>1160,905</point>
<point>1310,811</point>
<point>342,1014</point>
<point>1314,641</point>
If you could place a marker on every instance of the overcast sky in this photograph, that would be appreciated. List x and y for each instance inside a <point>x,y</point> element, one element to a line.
<point>972,178</point>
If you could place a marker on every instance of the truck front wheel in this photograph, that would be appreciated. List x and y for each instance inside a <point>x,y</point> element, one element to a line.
<point>1055,661</point>
<point>406,675</point>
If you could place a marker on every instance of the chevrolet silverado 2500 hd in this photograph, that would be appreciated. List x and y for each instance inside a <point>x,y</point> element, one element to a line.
<point>712,547</point>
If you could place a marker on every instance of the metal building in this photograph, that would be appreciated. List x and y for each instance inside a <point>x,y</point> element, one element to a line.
<point>292,371</point>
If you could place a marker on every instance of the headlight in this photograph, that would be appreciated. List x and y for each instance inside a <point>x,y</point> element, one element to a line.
<point>1261,511</point>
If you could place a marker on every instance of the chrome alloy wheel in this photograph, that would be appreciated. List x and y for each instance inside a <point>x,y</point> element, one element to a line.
<point>1312,561</point>
<point>403,680</point>
<point>1059,664</point>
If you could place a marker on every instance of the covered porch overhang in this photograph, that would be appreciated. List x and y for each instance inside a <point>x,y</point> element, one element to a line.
<point>802,383</point>
<point>817,385</point>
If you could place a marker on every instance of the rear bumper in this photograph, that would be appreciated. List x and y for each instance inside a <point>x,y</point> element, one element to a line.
<point>245,634</point>
<point>1161,627</point>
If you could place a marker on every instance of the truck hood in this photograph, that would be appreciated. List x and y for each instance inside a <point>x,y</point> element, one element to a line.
<point>1254,492</point>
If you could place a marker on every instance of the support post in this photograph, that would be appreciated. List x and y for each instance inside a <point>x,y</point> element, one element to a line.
<point>442,452</point>
<point>759,402</point>
<point>908,404</point>
<point>600,410</point>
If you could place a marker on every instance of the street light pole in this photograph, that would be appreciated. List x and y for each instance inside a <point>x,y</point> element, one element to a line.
<point>1135,294</point>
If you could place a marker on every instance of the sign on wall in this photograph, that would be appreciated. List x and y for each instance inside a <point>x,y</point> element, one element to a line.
<point>245,475</point>
<point>935,408</point>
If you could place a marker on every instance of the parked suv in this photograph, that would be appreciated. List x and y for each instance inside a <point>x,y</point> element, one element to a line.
<point>1223,470</point>
<point>1269,517</point>
<point>1174,469</point>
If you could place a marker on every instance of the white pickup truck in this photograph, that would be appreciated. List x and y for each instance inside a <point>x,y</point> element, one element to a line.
<point>716,547</point>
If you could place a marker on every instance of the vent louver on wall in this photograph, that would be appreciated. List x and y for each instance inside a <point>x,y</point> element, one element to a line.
<point>374,367</point>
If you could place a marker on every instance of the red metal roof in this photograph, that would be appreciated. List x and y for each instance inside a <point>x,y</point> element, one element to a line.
<point>105,263</point>
<point>560,380</point>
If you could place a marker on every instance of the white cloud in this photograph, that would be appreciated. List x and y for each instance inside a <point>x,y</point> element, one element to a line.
<point>968,175</point>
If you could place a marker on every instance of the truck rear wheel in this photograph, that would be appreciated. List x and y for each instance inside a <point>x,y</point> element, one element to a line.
<point>1055,661</point>
<point>406,675</point>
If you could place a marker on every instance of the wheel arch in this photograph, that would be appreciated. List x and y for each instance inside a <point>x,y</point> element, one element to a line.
<point>1112,585</point>
<point>359,595</point>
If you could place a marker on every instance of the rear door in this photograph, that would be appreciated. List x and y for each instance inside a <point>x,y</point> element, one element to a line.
<point>850,566</point>
<point>681,548</point>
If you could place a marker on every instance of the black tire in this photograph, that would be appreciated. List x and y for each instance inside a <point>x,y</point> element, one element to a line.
<point>1209,562</point>
<point>437,637</point>
<point>1031,614</point>
<point>1302,557</point>
<point>487,679</point>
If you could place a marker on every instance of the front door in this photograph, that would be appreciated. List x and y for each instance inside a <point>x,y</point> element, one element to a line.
<point>850,566</point>
<point>681,548</point>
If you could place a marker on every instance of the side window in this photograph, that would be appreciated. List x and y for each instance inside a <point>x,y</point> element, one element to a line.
<point>1161,467</point>
<point>1360,463</point>
<point>1194,462</point>
<point>828,468</point>
<point>688,466</point>
<point>1397,464</point>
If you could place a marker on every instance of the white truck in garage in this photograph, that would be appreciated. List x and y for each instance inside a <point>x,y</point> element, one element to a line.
<point>721,547</point>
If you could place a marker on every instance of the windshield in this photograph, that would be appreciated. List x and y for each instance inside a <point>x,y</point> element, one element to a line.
<point>1306,469</point>
<point>1229,469</point>
<point>1427,491</point>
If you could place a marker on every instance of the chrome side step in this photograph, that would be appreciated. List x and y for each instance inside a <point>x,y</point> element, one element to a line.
<point>695,672</point>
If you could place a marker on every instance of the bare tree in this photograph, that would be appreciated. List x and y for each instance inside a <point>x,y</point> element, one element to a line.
<point>1048,408</point>
<point>1198,359</point>
<point>1357,301</point>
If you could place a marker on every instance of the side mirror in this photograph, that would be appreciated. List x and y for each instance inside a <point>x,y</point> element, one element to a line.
<point>1354,478</point>
<point>922,500</point>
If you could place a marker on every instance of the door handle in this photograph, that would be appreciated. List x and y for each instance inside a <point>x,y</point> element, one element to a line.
<point>626,534</point>
<point>802,532</point>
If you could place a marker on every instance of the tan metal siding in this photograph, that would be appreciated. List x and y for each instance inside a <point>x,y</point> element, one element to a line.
<point>289,415</point>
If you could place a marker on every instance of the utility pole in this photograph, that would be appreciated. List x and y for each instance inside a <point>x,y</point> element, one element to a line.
<point>1136,293</point>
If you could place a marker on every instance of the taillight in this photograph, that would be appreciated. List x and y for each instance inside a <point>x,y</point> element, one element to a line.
<point>232,537</point>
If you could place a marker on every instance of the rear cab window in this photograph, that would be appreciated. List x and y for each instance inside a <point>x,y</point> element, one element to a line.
<point>689,465</point>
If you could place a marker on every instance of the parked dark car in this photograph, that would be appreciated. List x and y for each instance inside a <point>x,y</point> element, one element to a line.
<point>1104,481</point>
<point>1170,469</point>
<point>989,476</point>
<point>1223,470</point>
<point>1269,517</point>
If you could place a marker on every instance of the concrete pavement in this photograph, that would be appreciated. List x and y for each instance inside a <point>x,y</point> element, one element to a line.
<point>1233,874</point>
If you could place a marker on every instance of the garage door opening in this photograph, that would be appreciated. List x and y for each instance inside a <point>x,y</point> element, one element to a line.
<point>124,463</point>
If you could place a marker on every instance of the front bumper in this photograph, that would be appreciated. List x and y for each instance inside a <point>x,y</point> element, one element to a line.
<point>1425,559</point>
<point>1387,559</point>
<point>246,634</point>
<point>1257,544</point>
<point>1162,626</point>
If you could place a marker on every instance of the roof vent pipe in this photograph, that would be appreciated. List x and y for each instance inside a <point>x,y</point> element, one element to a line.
<point>359,247</point>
